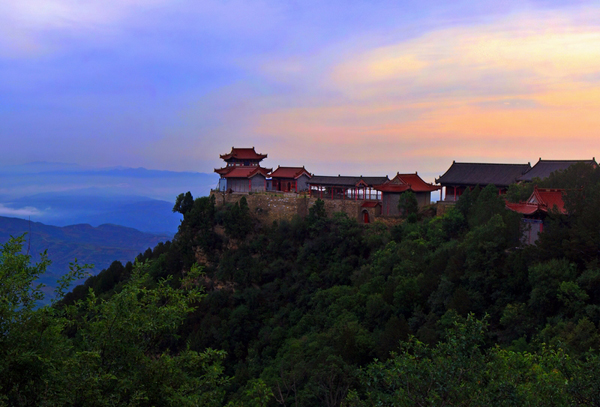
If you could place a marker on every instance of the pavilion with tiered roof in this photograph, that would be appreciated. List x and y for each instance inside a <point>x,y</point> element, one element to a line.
<point>243,172</point>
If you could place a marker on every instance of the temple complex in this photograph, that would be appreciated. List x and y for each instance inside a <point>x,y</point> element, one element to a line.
<point>289,190</point>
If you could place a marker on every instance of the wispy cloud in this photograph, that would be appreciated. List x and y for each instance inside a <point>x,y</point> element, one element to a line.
<point>19,212</point>
<point>333,85</point>
<point>522,54</point>
<point>508,90</point>
<point>38,27</point>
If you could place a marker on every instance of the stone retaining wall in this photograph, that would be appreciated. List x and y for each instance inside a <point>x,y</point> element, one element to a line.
<point>276,206</point>
<point>443,206</point>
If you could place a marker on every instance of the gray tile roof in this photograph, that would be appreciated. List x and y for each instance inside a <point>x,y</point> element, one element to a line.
<point>543,168</point>
<point>345,181</point>
<point>482,174</point>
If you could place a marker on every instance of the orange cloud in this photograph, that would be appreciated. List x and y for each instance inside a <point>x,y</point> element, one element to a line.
<point>509,91</point>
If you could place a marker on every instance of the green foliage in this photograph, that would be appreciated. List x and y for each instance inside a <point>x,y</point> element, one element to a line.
<point>521,192</point>
<point>421,375</point>
<point>237,220</point>
<point>546,280</point>
<point>447,310</point>
<point>487,204</point>
<point>100,352</point>
<point>18,297</point>
<point>407,204</point>
<point>459,372</point>
<point>184,203</point>
<point>257,394</point>
<point>317,211</point>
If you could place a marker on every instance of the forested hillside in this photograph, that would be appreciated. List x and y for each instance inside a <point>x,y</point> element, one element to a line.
<point>322,311</point>
<point>98,246</point>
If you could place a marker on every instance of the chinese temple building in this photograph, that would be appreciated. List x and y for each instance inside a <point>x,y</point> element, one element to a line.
<point>345,187</point>
<point>392,190</point>
<point>543,168</point>
<point>243,172</point>
<point>536,208</point>
<point>462,176</point>
<point>290,179</point>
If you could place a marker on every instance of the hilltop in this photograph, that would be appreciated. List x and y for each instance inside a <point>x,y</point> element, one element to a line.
<point>322,310</point>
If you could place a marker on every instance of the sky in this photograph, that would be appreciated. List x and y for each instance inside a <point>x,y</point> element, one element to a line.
<point>341,86</point>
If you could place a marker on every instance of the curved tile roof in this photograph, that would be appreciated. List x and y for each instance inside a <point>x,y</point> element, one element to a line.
<point>404,182</point>
<point>289,172</point>
<point>247,172</point>
<point>482,174</point>
<point>543,168</point>
<point>346,181</point>
<point>243,154</point>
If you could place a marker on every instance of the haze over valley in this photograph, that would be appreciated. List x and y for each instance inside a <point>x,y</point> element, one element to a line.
<point>67,194</point>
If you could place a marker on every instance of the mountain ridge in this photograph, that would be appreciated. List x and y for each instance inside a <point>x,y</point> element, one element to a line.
<point>100,245</point>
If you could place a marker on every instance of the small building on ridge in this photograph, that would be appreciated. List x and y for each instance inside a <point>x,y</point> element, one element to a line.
<point>243,172</point>
<point>290,179</point>
<point>247,179</point>
<point>535,210</point>
<point>392,190</point>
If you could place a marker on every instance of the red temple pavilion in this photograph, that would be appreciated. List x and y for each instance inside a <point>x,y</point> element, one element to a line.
<point>536,208</point>
<point>401,183</point>
<point>243,172</point>
<point>290,179</point>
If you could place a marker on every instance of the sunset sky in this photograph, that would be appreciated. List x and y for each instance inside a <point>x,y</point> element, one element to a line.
<point>351,87</point>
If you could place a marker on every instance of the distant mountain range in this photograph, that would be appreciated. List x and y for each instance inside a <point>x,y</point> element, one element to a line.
<point>64,194</point>
<point>73,207</point>
<point>89,245</point>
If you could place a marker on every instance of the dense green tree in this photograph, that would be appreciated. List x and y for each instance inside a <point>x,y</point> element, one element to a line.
<point>99,352</point>
<point>184,203</point>
<point>237,220</point>
<point>460,372</point>
<point>302,306</point>
<point>408,205</point>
